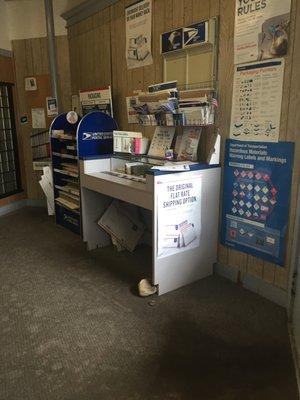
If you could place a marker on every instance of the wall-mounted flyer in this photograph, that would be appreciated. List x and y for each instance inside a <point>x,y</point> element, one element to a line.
<point>96,99</point>
<point>256,102</point>
<point>138,34</point>
<point>261,29</point>
<point>178,215</point>
<point>51,105</point>
<point>256,197</point>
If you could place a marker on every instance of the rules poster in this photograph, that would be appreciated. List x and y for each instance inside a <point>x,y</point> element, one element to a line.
<point>256,197</point>
<point>138,34</point>
<point>178,215</point>
<point>261,29</point>
<point>256,102</point>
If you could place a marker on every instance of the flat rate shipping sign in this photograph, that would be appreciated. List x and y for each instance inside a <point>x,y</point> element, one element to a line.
<point>256,197</point>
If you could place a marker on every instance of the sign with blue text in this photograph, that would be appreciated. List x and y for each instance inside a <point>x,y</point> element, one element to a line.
<point>256,197</point>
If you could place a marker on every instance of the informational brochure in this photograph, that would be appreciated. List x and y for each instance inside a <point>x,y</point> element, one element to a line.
<point>256,103</point>
<point>161,141</point>
<point>189,142</point>
<point>256,197</point>
<point>96,99</point>
<point>261,29</point>
<point>178,215</point>
<point>138,34</point>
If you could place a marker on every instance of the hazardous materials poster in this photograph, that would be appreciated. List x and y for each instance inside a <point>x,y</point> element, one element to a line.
<point>256,197</point>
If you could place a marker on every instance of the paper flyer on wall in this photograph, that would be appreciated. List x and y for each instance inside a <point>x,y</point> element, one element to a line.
<point>256,102</point>
<point>178,215</point>
<point>261,29</point>
<point>51,105</point>
<point>96,100</point>
<point>256,197</point>
<point>38,118</point>
<point>138,34</point>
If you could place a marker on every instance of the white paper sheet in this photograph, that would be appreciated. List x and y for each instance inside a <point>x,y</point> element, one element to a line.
<point>38,118</point>
<point>138,34</point>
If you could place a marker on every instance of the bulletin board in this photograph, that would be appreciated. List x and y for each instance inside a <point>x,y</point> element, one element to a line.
<point>37,98</point>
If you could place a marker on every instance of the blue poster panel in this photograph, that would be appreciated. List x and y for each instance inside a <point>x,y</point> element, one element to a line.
<point>171,41</point>
<point>195,34</point>
<point>256,197</point>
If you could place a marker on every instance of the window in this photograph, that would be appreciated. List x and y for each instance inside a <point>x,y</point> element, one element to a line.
<point>9,163</point>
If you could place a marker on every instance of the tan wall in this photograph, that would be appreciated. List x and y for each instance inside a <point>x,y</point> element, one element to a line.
<point>31,58</point>
<point>97,57</point>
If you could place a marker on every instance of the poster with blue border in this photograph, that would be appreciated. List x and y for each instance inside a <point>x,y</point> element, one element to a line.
<point>256,197</point>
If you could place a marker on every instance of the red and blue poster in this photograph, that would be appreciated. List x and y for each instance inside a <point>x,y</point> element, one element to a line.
<point>256,197</point>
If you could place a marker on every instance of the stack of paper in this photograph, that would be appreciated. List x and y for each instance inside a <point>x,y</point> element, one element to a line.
<point>121,222</point>
<point>46,184</point>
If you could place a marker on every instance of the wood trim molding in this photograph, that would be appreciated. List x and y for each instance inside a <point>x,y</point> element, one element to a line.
<point>85,10</point>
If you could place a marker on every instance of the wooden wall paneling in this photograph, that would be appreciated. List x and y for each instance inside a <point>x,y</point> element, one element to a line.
<point>292,129</point>
<point>6,70</point>
<point>119,74</point>
<point>189,17</point>
<point>168,15</point>
<point>31,59</point>
<point>214,8</point>
<point>255,266</point>
<point>178,14</point>
<point>159,28</point>
<point>74,64</point>
<point>281,273</point>
<point>225,77</point>
<point>201,10</point>
<point>36,53</point>
<point>63,66</point>
<point>44,55</point>
<point>268,272</point>
<point>22,58</point>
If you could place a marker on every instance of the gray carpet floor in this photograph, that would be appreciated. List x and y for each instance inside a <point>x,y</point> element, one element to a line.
<point>73,328</point>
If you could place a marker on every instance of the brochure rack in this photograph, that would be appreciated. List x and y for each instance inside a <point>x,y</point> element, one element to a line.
<point>87,137</point>
<point>65,172</point>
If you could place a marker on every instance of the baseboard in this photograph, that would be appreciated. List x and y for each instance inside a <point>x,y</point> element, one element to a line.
<point>296,354</point>
<point>256,285</point>
<point>16,205</point>
<point>36,203</point>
